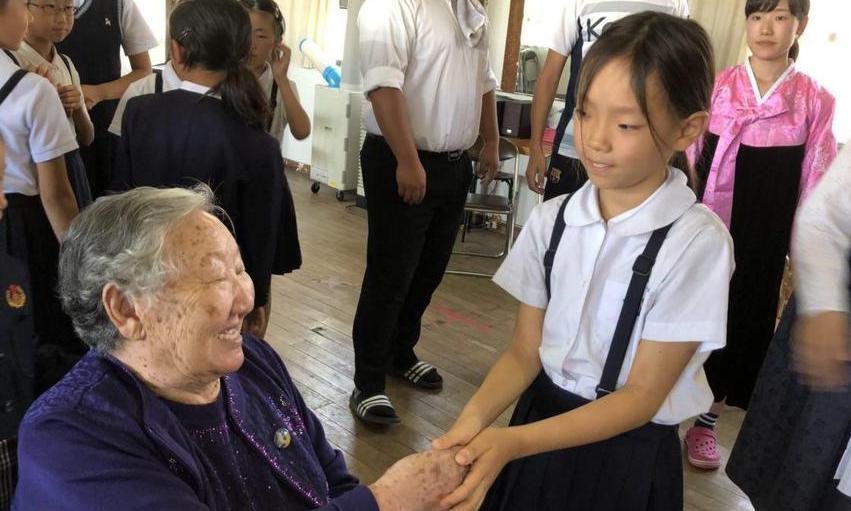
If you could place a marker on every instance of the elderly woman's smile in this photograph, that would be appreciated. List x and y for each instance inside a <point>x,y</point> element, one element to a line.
<point>189,335</point>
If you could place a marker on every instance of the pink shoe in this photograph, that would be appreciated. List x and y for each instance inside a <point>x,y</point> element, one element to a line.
<point>702,449</point>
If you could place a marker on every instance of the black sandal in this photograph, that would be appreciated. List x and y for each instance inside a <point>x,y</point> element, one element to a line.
<point>374,409</point>
<point>421,375</point>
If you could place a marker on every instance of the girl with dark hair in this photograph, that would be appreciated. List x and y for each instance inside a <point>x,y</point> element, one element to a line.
<point>270,61</point>
<point>36,207</point>
<point>769,141</point>
<point>212,129</point>
<point>623,288</point>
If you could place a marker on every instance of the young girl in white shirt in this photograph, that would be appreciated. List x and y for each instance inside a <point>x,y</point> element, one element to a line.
<point>51,23</point>
<point>270,61</point>
<point>623,289</point>
<point>41,203</point>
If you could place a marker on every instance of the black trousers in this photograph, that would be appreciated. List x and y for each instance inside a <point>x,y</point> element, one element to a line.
<point>407,253</point>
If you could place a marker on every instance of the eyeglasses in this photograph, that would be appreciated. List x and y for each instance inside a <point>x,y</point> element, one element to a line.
<point>53,9</point>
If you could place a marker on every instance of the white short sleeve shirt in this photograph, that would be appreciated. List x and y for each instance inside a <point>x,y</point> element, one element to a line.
<point>136,35</point>
<point>146,85</point>
<point>579,23</point>
<point>685,300</point>
<point>418,46</point>
<point>34,128</point>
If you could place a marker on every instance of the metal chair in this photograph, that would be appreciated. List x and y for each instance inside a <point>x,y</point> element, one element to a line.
<point>493,204</point>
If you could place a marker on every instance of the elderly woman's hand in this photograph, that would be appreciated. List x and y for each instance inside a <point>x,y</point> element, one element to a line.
<point>418,482</point>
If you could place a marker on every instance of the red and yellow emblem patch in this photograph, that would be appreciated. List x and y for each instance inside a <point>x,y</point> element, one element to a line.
<point>15,296</point>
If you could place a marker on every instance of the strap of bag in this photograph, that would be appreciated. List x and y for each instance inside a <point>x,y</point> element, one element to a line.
<point>630,310</point>
<point>10,85</point>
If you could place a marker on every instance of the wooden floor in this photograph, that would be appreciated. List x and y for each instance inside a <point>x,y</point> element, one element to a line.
<point>467,325</point>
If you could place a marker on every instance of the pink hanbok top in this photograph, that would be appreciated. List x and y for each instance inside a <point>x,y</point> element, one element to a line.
<point>796,111</point>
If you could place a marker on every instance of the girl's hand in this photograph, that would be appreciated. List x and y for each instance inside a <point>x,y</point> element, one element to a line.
<point>459,435</point>
<point>281,61</point>
<point>71,97</point>
<point>42,70</point>
<point>486,456</point>
<point>822,350</point>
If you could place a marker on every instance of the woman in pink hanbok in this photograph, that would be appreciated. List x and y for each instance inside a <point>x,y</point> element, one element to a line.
<point>769,141</point>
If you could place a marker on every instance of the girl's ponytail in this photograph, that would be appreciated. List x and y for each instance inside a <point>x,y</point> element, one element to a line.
<point>216,35</point>
<point>241,93</point>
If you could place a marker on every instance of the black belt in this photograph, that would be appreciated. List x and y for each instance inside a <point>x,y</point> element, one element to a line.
<point>19,200</point>
<point>446,155</point>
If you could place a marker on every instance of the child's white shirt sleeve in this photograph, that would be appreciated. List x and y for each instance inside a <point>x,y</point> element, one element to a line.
<point>522,273</point>
<point>695,292</point>
<point>50,135</point>
<point>137,88</point>
<point>565,31</point>
<point>136,35</point>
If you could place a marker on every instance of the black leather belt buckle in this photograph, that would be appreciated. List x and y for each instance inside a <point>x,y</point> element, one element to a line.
<point>454,155</point>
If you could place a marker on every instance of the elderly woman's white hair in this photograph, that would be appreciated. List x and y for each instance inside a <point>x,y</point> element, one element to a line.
<point>120,239</point>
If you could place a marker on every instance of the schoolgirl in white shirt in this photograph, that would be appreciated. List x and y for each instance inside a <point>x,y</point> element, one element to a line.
<point>269,61</point>
<point>620,311</point>
<point>51,23</point>
<point>41,203</point>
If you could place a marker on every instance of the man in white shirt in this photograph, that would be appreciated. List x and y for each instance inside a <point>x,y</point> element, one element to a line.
<point>578,25</point>
<point>428,78</point>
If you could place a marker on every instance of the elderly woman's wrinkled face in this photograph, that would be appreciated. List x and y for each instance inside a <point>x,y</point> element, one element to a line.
<point>193,325</point>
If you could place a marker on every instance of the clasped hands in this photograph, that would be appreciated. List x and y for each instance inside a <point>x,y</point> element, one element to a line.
<point>70,95</point>
<point>454,476</point>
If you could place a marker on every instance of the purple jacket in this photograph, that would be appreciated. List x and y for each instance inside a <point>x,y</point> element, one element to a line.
<point>101,440</point>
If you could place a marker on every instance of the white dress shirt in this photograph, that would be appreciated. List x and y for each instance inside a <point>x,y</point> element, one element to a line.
<point>419,47</point>
<point>685,300</point>
<point>34,127</point>
<point>146,85</point>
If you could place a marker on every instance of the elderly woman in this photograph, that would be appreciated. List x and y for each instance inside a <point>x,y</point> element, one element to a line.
<point>173,408</point>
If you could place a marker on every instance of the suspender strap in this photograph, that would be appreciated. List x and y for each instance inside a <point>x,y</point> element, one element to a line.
<point>158,81</point>
<point>273,104</point>
<point>12,56</point>
<point>10,85</point>
<point>555,239</point>
<point>67,64</point>
<point>629,312</point>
